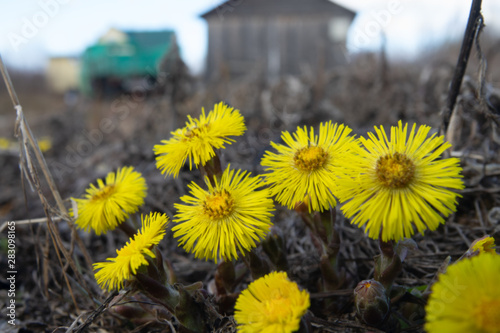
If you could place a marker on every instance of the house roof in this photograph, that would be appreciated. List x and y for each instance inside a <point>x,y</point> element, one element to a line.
<point>277,7</point>
<point>144,39</point>
<point>123,54</point>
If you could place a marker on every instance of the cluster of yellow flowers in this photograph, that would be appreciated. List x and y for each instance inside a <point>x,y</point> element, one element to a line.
<point>392,185</point>
<point>386,184</point>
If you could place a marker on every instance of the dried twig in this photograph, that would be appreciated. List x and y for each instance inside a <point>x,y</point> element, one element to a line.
<point>93,316</point>
<point>29,221</point>
<point>473,24</point>
<point>29,145</point>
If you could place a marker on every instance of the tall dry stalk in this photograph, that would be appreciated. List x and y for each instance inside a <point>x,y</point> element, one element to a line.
<point>30,166</point>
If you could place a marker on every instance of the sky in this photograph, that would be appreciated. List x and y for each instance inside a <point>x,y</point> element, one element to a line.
<point>31,31</point>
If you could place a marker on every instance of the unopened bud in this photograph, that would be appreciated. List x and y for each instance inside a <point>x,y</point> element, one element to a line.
<point>372,303</point>
<point>138,309</point>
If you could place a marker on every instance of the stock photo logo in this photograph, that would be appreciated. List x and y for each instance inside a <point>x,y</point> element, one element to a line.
<point>32,25</point>
<point>374,24</point>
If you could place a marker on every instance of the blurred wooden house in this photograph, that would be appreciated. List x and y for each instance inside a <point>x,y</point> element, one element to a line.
<point>277,37</point>
<point>124,61</point>
<point>63,74</point>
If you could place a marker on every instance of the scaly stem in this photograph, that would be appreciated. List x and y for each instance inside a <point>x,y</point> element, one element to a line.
<point>387,264</point>
<point>212,169</point>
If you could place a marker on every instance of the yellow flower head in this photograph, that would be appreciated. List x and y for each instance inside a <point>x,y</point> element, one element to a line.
<point>115,271</point>
<point>308,165</point>
<point>231,215</point>
<point>400,181</point>
<point>272,303</point>
<point>4,143</point>
<point>109,203</point>
<point>198,140</point>
<point>45,144</point>
<point>466,298</point>
<point>485,244</point>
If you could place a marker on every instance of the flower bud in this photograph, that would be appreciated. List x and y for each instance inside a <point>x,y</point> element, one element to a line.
<point>138,309</point>
<point>372,303</point>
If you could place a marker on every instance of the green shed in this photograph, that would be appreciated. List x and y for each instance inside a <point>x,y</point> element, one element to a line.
<point>123,60</point>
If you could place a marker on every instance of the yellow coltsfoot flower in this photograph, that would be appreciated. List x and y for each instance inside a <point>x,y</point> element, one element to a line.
<point>109,203</point>
<point>466,298</point>
<point>115,271</point>
<point>199,139</point>
<point>485,244</point>
<point>233,214</point>
<point>272,303</point>
<point>307,167</point>
<point>401,182</point>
